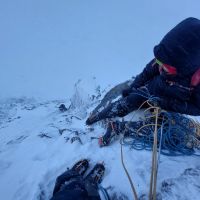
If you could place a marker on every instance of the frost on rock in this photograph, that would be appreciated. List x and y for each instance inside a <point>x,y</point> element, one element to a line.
<point>82,99</point>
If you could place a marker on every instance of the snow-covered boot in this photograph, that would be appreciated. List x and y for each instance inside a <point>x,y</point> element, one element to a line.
<point>81,166</point>
<point>116,109</point>
<point>96,174</point>
<point>113,130</point>
<point>95,117</point>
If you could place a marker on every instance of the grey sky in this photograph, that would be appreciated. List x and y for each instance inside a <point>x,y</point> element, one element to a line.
<point>46,45</point>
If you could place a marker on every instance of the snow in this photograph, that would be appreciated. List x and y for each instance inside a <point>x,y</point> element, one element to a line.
<point>35,147</point>
<point>46,46</point>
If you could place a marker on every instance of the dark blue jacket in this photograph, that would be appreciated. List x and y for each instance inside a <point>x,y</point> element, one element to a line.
<point>172,97</point>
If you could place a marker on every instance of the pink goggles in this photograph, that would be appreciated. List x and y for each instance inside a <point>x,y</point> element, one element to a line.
<point>167,68</point>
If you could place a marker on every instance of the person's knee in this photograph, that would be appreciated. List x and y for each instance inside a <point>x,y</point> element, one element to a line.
<point>135,100</point>
<point>66,176</point>
<point>122,109</point>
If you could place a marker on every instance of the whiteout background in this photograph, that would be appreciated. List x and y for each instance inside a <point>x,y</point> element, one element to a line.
<point>46,45</point>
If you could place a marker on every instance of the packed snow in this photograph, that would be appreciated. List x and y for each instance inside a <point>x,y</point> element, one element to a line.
<point>38,143</point>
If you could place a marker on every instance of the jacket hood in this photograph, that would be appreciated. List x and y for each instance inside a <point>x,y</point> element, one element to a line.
<point>180,47</point>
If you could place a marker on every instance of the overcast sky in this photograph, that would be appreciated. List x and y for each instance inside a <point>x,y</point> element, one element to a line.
<point>46,45</point>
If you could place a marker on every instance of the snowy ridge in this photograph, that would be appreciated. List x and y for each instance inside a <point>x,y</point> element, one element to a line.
<point>36,145</point>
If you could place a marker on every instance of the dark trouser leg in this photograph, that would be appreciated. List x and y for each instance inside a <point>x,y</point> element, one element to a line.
<point>70,185</point>
<point>119,108</point>
<point>92,190</point>
<point>66,176</point>
<point>126,105</point>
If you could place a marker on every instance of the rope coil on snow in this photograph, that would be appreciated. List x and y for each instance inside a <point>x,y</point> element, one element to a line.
<point>173,135</point>
<point>179,136</point>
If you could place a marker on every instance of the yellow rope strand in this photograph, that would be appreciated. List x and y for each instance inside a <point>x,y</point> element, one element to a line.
<point>139,108</point>
<point>153,179</point>
<point>154,171</point>
<point>146,126</point>
<point>129,178</point>
<point>122,161</point>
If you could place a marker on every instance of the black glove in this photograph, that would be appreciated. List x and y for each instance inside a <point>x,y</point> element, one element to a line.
<point>127,91</point>
<point>155,101</point>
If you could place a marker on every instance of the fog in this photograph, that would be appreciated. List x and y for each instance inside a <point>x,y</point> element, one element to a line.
<point>47,45</point>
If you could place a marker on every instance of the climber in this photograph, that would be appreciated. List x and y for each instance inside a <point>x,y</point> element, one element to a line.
<point>171,80</point>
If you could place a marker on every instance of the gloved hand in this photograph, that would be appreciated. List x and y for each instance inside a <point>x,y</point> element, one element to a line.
<point>127,91</point>
<point>155,101</point>
<point>163,103</point>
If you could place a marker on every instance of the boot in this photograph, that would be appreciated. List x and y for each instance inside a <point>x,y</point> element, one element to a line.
<point>113,129</point>
<point>81,166</point>
<point>116,109</point>
<point>96,174</point>
<point>93,118</point>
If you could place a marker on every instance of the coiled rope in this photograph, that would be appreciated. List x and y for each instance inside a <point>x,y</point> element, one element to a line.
<point>175,133</point>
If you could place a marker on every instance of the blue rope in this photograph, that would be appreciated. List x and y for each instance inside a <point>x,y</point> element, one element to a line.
<point>175,136</point>
<point>104,192</point>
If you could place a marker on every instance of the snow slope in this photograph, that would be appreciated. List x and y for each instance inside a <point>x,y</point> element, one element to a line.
<point>35,147</point>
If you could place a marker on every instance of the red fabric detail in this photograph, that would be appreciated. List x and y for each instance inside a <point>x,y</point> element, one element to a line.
<point>100,141</point>
<point>196,78</point>
<point>160,69</point>
<point>170,69</point>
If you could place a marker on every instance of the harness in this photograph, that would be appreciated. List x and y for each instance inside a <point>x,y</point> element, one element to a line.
<point>179,85</point>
